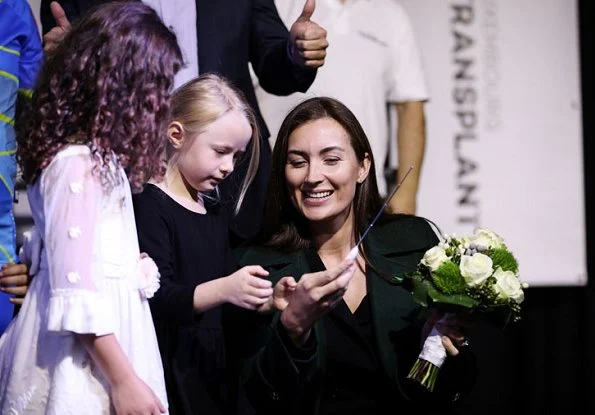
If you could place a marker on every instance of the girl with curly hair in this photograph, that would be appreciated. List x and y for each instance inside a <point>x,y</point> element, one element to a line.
<point>84,339</point>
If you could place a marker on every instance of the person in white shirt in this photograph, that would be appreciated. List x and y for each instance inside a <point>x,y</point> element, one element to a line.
<point>375,69</point>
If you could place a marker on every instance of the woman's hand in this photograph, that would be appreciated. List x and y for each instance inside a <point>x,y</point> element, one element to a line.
<point>132,396</point>
<point>313,297</point>
<point>14,280</point>
<point>451,326</point>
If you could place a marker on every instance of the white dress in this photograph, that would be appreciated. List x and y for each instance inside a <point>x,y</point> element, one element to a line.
<point>88,282</point>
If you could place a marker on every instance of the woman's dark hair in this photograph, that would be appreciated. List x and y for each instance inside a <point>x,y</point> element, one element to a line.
<point>284,228</point>
<point>107,86</point>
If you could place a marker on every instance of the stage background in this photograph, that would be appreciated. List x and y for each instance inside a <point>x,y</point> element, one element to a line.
<point>545,364</point>
<point>504,133</point>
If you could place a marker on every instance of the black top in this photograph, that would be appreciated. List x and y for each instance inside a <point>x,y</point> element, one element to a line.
<point>189,248</point>
<point>354,381</point>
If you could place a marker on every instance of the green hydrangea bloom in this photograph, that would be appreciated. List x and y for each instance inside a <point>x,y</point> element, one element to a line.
<point>501,257</point>
<point>448,278</point>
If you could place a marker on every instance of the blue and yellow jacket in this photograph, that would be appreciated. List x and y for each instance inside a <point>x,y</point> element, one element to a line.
<point>21,55</point>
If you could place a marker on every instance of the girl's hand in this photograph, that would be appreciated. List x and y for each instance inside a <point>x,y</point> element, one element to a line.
<point>245,287</point>
<point>132,396</point>
<point>281,295</point>
<point>14,280</point>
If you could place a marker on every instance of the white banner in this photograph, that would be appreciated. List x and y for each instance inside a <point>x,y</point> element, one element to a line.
<point>504,131</point>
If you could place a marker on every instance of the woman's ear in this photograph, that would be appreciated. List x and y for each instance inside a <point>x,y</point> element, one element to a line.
<point>364,169</point>
<point>175,134</point>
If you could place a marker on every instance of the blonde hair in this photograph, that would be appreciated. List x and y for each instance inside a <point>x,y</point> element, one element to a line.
<point>203,100</point>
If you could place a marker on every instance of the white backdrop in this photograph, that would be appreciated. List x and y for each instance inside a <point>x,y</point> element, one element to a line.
<point>504,128</point>
<point>35,7</point>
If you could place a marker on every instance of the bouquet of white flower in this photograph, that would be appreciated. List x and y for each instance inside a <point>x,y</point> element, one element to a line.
<point>472,274</point>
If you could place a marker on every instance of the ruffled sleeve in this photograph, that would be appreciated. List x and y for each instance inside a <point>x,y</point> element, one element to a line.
<point>72,196</point>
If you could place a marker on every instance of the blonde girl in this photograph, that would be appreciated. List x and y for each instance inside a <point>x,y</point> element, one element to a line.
<point>184,227</point>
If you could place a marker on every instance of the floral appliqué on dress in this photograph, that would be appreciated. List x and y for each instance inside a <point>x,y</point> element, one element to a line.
<point>148,276</point>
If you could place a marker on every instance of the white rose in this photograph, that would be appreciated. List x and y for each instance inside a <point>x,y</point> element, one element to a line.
<point>434,257</point>
<point>476,268</point>
<point>466,241</point>
<point>485,238</point>
<point>508,286</point>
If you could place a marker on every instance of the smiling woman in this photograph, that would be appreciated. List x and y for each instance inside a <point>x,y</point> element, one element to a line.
<point>323,170</point>
<point>350,331</point>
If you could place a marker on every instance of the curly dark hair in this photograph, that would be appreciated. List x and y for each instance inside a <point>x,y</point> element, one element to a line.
<point>107,85</point>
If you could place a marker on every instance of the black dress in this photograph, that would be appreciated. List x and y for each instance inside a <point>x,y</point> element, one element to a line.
<point>189,248</point>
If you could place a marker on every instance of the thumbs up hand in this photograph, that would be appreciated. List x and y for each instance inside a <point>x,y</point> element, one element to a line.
<point>307,39</point>
<point>52,38</point>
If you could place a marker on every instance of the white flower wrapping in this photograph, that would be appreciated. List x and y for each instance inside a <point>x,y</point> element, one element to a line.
<point>433,350</point>
<point>148,276</point>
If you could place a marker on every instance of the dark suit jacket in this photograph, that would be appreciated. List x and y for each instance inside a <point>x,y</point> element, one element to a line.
<point>232,33</point>
<point>278,382</point>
